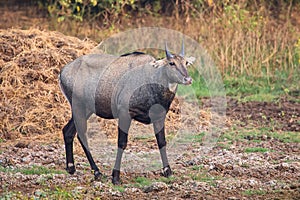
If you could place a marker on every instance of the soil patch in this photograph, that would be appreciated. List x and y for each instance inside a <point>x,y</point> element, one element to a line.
<point>281,115</point>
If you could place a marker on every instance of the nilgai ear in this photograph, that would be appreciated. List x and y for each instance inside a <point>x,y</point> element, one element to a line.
<point>168,54</point>
<point>190,60</point>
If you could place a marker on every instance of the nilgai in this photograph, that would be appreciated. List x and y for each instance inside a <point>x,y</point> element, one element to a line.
<point>132,86</point>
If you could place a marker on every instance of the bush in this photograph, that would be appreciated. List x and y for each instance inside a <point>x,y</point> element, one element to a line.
<point>89,9</point>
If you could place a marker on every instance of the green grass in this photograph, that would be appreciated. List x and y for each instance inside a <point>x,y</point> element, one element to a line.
<point>288,137</point>
<point>11,195</point>
<point>254,192</point>
<point>263,97</point>
<point>225,145</point>
<point>236,134</point>
<point>58,193</point>
<point>171,135</point>
<point>199,85</point>
<point>168,180</point>
<point>262,88</point>
<point>46,193</point>
<point>197,167</point>
<point>33,170</point>
<point>252,88</point>
<point>202,175</point>
<point>142,182</point>
<point>119,188</point>
<point>256,149</point>
<point>195,138</point>
<point>205,177</point>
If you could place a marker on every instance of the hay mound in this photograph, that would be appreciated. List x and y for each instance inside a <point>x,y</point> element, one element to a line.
<point>30,60</point>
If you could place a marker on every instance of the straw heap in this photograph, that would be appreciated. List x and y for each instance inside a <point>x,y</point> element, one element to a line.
<point>31,102</point>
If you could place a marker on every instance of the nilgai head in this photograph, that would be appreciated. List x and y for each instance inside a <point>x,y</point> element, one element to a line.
<point>177,66</point>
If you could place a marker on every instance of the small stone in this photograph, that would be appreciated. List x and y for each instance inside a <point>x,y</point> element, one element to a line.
<point>232,147</point>
<point>252,182</point>
<point>26,159</point>
<point>285,165</point>
<point>294,186</point>
<point>211,167</point>
<point>264,137</point>
<point>232,198</point>
<point>39,193</point>
<point>4,162</point>
<point>22,145</point>
<point>175,186</point>
<point>98,184</point>
<point>157,186</point>
<point>132,190</point>
<point>271,182</point>
<point>78,189</point>
<point>191,162</point>
<point>219,167</point>
<point>116,193</point>
<point>282,166</point>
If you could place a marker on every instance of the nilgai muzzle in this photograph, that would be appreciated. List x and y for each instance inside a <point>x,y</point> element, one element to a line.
<point>132,86</point>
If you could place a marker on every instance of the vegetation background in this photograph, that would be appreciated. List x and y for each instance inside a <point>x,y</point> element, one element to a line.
<point>255,43</point>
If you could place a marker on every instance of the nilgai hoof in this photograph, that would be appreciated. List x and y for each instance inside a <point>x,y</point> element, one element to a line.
<point>116,177</point>
<point>98,175</point>
<point>71,169</point>
<point>167,172</point>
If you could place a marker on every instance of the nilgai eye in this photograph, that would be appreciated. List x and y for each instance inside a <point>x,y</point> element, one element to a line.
<point>172,63</point>
<point>187,63</point>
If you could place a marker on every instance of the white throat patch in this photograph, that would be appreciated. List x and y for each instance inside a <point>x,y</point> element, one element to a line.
<point>173,87</point>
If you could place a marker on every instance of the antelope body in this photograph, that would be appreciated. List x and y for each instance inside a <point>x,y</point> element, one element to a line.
<point>132,86</point>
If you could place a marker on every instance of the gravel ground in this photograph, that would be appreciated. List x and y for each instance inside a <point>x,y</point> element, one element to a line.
<point>227,171</point>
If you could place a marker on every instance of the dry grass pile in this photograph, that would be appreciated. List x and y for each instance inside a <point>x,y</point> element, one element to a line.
<point>30,60</point>
<point>31,101</point>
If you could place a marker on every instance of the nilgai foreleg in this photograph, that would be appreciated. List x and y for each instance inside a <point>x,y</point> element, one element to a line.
<point>123,127</point>
<point>159,129</point>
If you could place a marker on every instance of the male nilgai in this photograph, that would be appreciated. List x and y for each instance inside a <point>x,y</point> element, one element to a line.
<point>131,86</point>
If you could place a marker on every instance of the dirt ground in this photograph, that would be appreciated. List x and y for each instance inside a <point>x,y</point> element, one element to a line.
<point>221,173</point>
<point>241,165</point>
<point>282,115</point>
